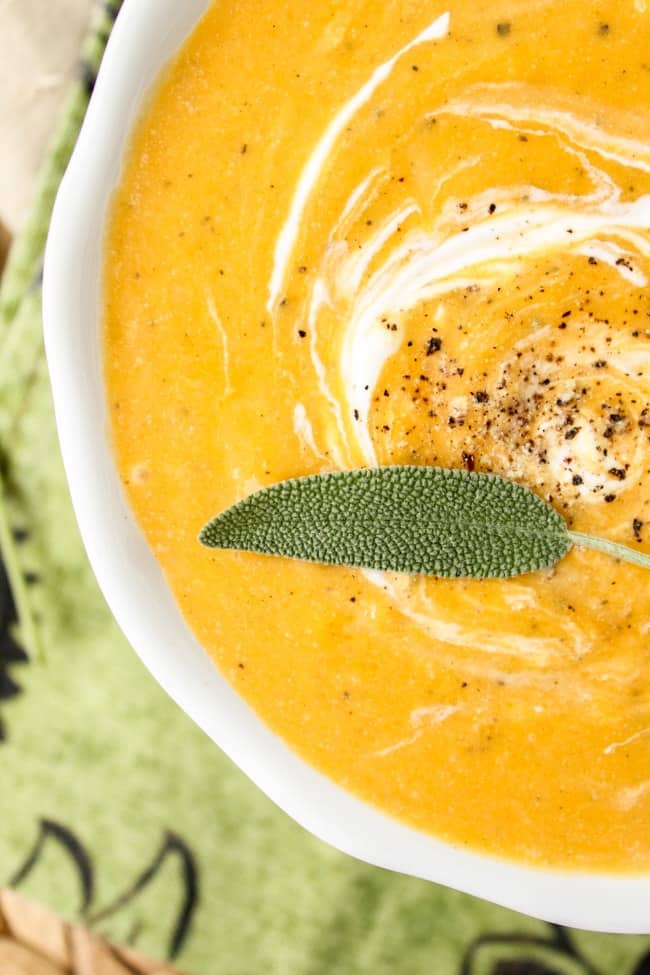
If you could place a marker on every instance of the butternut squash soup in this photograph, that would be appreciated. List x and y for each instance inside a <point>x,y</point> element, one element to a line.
<point>406,232</point>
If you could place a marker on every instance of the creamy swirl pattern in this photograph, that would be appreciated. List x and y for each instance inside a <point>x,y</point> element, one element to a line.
<point>562,405</point>
<point>406,232</point>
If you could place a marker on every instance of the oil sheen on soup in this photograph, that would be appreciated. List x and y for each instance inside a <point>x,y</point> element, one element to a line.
<point>363,233</point>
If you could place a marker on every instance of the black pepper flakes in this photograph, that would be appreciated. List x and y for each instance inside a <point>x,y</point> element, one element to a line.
<point>504,28</point>
<point>480,396</point>
<point>433,345</point>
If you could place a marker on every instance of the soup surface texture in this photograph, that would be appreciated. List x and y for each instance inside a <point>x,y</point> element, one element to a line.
<point>352,233</point>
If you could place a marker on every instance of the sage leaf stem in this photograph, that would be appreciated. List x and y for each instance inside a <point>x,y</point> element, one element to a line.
<point>615,549</point>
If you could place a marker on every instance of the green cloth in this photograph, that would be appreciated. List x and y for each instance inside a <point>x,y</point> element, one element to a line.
<point>117,811</point>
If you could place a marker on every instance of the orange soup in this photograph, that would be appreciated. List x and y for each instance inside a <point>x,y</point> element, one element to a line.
<point>362,233</point>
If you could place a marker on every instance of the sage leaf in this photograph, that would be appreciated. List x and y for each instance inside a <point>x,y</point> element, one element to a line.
<point>420,520</point>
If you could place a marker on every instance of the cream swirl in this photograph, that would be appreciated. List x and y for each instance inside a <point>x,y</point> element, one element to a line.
<point>566,397</point>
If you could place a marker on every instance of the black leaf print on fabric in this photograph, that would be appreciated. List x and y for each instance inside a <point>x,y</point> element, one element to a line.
<point>88,72</point>
<point>10,651</point>
<point>49,829</point>
<point>522,967</point>
<point>522,954</point>
<point>112,8</point>
<point>172,845</point>
<point>643,967</point>
<point>88,76</point>
<point>8,687</point>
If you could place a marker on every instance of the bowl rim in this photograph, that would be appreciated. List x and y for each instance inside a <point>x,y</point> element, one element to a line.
<point>145,36</point>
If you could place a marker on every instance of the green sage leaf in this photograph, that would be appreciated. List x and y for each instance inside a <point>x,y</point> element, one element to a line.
<point>421,520</point>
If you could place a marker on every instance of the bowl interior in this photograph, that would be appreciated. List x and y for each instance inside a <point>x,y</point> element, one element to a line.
<point>147,34</point>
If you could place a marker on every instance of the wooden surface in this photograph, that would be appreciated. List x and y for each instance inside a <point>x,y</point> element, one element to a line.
<point>33,941</point>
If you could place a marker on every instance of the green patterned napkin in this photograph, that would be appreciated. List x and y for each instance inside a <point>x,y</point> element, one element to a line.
<point>118,812</point>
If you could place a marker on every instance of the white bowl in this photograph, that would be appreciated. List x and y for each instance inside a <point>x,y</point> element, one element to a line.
<point>147,34</point>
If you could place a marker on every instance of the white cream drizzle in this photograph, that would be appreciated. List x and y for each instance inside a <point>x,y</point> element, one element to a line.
<point>427,264</point>
<point>612,254</point>
<point>615,745</point>
<point>481,103</point>
<point>362,292</point>
<point>629,797</point>
<point>304,430</point>
<point>312,171</point>
<point>421,720</point>
<point>223,335</point>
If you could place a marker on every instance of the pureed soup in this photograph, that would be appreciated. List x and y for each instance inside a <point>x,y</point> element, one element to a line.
<point>363,233</point>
